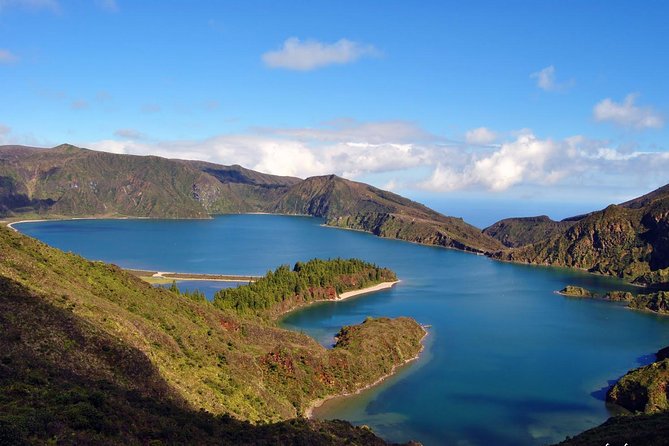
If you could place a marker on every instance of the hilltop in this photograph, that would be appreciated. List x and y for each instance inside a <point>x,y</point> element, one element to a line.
<point>90,354</point>
<point>629,240</point>
<point>521,231</point>
<point>67,181</point>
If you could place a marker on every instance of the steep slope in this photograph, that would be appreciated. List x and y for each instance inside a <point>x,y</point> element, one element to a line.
<point>353,205</point>
<point>234,189</point>
<point>629,241</point>
<point>644,389</point>
<point>94,354</point>
<point>515,232</point>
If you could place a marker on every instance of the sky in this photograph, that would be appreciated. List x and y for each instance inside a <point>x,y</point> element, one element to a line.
<point>480,109</point>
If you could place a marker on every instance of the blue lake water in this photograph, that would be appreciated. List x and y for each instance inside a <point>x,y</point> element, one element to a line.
<point>507,361</point>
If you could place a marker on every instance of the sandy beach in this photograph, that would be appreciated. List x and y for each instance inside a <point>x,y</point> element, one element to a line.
<point>309,411</point>
<point>371,289</point>
<point>11,225</point>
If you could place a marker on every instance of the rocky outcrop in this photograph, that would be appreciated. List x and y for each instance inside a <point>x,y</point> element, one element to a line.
<point>576,291</point>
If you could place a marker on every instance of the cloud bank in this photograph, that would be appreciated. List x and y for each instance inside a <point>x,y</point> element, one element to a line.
<point>359,150</point>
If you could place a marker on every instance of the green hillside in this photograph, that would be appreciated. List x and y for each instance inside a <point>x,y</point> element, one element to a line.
<point>630,241</point>
<point>93,355</point>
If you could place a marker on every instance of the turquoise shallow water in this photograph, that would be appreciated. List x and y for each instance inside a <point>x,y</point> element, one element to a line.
<point>507,361</point>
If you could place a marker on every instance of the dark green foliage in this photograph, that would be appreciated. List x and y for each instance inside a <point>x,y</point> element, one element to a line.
<point>195,295</point>
<point>283,289</point>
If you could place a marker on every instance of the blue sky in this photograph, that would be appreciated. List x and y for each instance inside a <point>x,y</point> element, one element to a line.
<point>530,106</point>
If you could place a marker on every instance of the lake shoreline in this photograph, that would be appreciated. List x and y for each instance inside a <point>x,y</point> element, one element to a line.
<point>490,256</point>
<point>309,411</point>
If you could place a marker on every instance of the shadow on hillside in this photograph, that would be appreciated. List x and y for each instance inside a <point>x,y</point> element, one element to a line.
<point>64,379</point>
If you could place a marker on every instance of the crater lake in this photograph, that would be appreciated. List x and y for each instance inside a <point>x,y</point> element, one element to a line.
<point>507,361</point>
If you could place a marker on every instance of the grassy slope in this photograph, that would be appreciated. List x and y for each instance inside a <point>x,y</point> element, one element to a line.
<point>114,327</point>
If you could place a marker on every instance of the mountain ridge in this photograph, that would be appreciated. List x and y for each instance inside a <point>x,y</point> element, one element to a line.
<point>74,182</point>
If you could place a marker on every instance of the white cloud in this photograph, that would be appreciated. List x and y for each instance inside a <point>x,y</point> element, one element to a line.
<point>480,136</point>
<point>524,160</point>
<point>627,114</point>
<point>546,80</point>
<point>356,150</point>
<point>35,5</point>
<point>7,57</point>
<point>311,54</point>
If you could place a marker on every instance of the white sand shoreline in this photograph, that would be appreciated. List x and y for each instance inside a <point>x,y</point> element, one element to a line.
<point>371,289</point>
<point>11,224</point>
